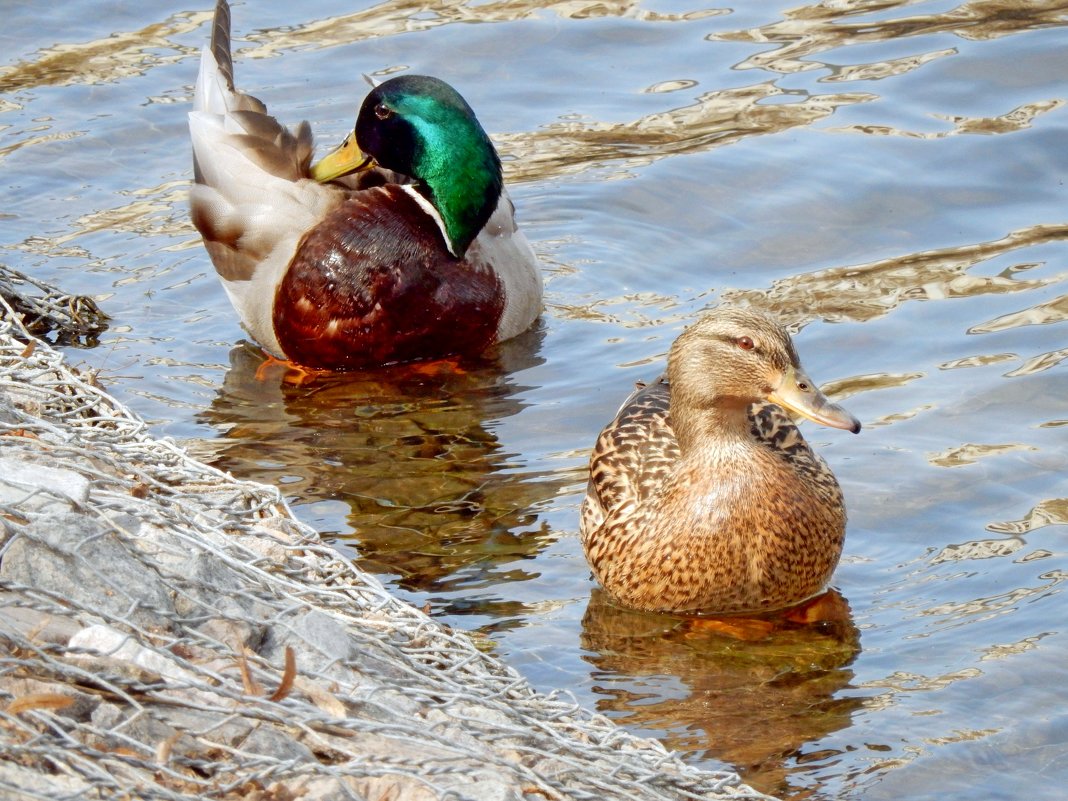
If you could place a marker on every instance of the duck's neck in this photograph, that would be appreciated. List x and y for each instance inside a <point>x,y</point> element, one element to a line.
<point>464,188</point>
<point>722,425</point>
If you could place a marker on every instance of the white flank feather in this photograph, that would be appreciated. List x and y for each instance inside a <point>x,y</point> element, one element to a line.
<point>503,245</point>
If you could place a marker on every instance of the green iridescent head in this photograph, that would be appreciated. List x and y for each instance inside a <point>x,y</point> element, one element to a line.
<point>421,127</point>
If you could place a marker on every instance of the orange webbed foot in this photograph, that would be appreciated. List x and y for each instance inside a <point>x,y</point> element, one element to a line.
<point>291,373</point>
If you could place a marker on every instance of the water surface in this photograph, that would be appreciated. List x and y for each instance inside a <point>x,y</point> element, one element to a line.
<point>886,176</point>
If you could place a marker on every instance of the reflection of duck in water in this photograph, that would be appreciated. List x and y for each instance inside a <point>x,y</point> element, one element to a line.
<point>418,258</point>
<point>406,463</point>
<point>754,706</point>
<point>699,500</point>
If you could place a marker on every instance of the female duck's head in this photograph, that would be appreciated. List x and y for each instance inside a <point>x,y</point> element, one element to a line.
<point>733,357</point>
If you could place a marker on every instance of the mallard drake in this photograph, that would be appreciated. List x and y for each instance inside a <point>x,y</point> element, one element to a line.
<point>398,246</point>
<point>703,496</point>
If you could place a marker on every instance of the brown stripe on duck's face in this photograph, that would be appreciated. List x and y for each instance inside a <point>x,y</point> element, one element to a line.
<point>734,357</point>
<point>354,298</point>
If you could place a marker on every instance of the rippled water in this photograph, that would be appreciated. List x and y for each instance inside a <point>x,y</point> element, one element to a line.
<point>887,176</point>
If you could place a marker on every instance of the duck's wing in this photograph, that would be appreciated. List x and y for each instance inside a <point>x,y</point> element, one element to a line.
<point>252,201</point>
<point>633,455</point>
<point>776,430</point>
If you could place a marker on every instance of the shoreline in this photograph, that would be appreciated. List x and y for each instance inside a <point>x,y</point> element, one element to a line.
<point>169,631</point>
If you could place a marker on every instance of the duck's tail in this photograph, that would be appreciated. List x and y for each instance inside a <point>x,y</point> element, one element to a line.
<point>220,43</point>
<point>219,110</point>
<point>215,91</point>
<point>251,202</point>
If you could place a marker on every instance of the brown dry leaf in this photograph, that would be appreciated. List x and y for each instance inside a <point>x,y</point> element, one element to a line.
<point>322,698</point>
<point>545,792</point>
<point>22,432</point>
<point>288,676</point>
<point>251,687</point>
<point>39,701</point>
<point>163,750</point>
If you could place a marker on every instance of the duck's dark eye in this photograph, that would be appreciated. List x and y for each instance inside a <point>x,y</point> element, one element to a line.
<point>745,343</point>
<point>803,386</point>
<point>383,112</point>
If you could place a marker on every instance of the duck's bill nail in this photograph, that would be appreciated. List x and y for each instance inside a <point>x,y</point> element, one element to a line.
<point>798,394</point>
<point>345,159</point>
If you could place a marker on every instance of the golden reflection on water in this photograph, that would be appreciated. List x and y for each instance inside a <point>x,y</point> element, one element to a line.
<point>428,486</point>
<point>978,549</point>
<point>1017,119</point>
<point>409,16</point>
<point>751,702</point>
<point>158,210</point>
<point>113,58</point>
<point>1051,311</point>
<point>1050,512</point>
<point>1039,363</point>
<point>867,291</point>
<point>716,118</point>
<point>970,453</point>
<point>125,54</point>
<point>889,68</point>
<point>813,29</point>
<point>43,139</point>
<point>1001,602</point>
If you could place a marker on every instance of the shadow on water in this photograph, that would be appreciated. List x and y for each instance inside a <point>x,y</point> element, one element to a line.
<point>748,692</point>
<point>409,450</point>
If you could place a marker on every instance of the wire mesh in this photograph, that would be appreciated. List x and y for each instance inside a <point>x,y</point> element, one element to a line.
<point>42,310</point>
<point>169,632</point>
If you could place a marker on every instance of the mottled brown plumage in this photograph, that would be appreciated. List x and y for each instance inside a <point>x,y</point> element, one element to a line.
<point>703,496</point>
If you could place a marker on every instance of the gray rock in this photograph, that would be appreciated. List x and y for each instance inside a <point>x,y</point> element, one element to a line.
<point>280,745</point>
<point>208,726</point>
<point>35,625</point>
<point>76,558</point>
<point>216,603</point>
<point>21,783</point>
<point>316,639</point>
<point>130,730</point>
<point>37,487</point>
<point>236,634</point>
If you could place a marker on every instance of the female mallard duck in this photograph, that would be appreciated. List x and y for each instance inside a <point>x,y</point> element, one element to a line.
<point>703,495</point>
<point>416,257</point>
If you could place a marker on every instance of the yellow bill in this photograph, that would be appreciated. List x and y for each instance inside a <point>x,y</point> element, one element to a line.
<point>345,159</point>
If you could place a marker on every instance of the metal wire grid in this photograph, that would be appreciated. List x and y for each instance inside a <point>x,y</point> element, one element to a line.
<point>384,702</point>
<point>74,319</point>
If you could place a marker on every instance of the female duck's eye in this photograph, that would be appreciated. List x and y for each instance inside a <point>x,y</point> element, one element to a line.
<point>383,112</point>
<point>745,343</point>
